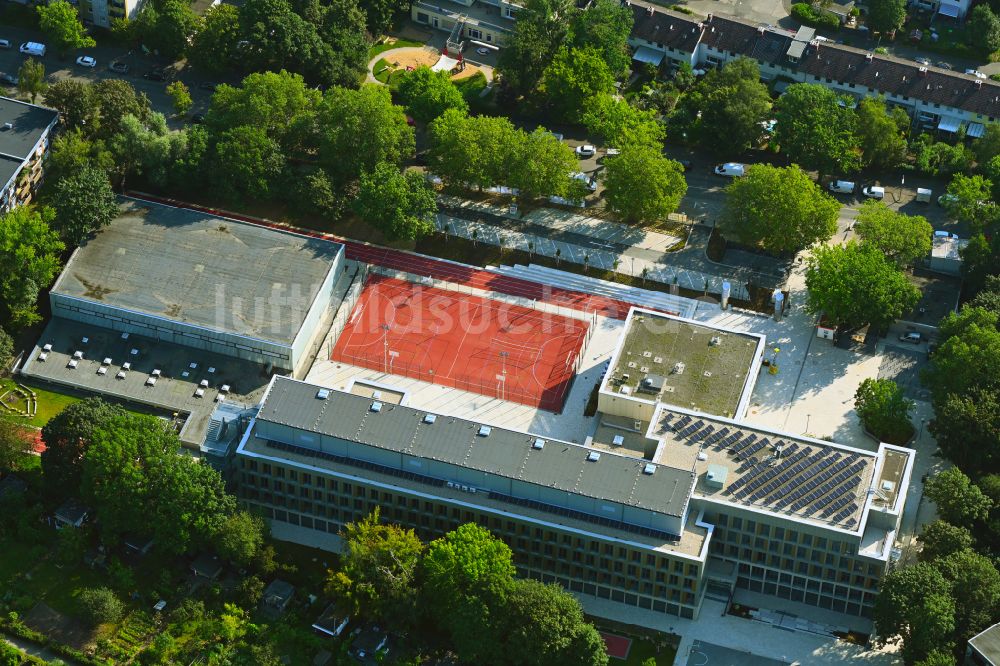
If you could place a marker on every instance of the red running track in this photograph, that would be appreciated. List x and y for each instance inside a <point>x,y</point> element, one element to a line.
<point>467,342</point>
<point>439,269</point>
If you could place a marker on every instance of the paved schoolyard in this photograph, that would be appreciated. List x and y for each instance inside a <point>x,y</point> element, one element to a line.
<point>707,654</point>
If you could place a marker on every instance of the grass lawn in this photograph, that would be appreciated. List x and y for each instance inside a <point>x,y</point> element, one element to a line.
<point>471,86</point>
<point>379,49</point>
<point>50,402</point>
<point>643,650</point>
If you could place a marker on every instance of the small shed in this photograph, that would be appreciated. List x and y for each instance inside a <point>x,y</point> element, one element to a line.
<point>207,566</point>
<point>370,642</point>
<point>71,514</point>
<point>331,623</point>
<point>136,544</point>
<point>652,384</point>
<point>716,475</point>
<point>278,595</point>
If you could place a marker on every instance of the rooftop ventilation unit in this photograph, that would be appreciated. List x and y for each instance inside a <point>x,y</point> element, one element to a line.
<point>430,418</point>
<point>593,456</point>
<point>376,395</point>
<point>484,431</point>
<point>376,407</point>
<point>649,468</point>
<point>7,127</point>
<point>538,444</point>
<point>323,394</point>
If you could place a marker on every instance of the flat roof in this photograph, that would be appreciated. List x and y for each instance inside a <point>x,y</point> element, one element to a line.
<point>502,452</point>
<point>779,473</point>
<point>987,643</point>
<point>202,270</point>
<point>703,367</point>
<point>28,123</point>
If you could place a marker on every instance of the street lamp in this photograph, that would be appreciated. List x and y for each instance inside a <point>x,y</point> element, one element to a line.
<point>385,347</point>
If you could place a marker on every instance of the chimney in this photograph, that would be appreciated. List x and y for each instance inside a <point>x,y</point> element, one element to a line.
<point>708,19</point>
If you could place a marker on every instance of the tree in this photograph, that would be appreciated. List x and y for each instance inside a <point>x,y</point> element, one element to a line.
<point>74,100</point>
<point>968,201</point>
<point>475,151</point>
<point>856,285</point>
<point>15,443</point>
<point>815,130</point>
<point>967,428</point>
<point>984,28</point>
<point>116,99</point>
<point>30,249</point>
<point>84,203</point>
<point>60,23</point>
<point>146,148</point>
<point>902,238</point>
<point>72,151</point>
<point>10,656</point>
<point>539,31</point>
<point>31,78</point>
<point>360,128</point>
<point>779,209</point>
<point>67,436</point>
<point>883,144</point>
<point>941,539</point>
<point>180,96</point>
<point>886,15</point>
<point>539,164</point>
<point>938,157</point>
<point>279,103</point>
<point>6,348</point>
<point>168,27</point>
<point>621,124</point>
<point>377,577</point>
<point>730,105</point>
<point>937,658</point>
<point>975,587</point>
<point>382,14</point>
<point>467,575</point>
<point>958,500</point>
<point>99,605</point>
<point>883,410</point>
<point>543,624</point>
<point>968,354</point>
<point>246,162</point>
<point>914,605</point>
<point>642,185</point>
<point>987,146</point>
<point>400,205</point>
<point>605,26</point>
<point>240,537</point>
<point>980,260</point>
<point>573,77</point>
<point>427,94</point>
<point>215,47</point>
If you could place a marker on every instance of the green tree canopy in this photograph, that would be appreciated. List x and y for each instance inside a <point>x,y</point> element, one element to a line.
<point>539,164</point>
<point>377,576</point>
<point>240,537</point>
<point>84,202</point>
<point>856,285</point>
<point>975,587</point>
<point>61,25</point>
<point>937,658</point>
<point>15,440</point>
<point>886,15</point>
<point>30,250</point>
<point>215,47</point>
<point>987,146</point>
<point>427,94</point>
<point>732,105</point>
<point>605,25</point>
<point>573,77</point>
<point>884,410</point>
<point>968,200</point>
<point>168,27</point>
<point>400,205</point>
<point>75,102</point>
<point>641,185</point>
<point>478,151</point>
<point>984,28</point>
<point>914,605</point>
<point>541,28</point>
<point>116,99</point>
<point>359,129</point>
<point>968,355</point>
<point>31,78</point>
<point>780,209</point>
<point>815,130</point>
<point>67,436</point>
<point>941,539</point>
<point>621,124</point>
<point>100,605</point>
<point>902,238</point>
<point>382,13</point>
<point>881,134</point>
<point>967,428</point>
<point>246,163</point>
<point>958,500</point>
<point>180,96</point>
<point>72,151</point>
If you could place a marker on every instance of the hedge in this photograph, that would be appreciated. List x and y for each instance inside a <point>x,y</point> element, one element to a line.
<point>14,626</point>
<point>806,13</point>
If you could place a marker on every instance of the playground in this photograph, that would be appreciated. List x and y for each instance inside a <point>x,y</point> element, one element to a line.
<point>393,63</point>
<point>468,342</point>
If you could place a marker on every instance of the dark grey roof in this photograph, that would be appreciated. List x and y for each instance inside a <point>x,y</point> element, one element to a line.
<point>505,453</point>
<point>29,123</point>
<point>202,270</point>
<point>671,29</point>
<point>207,565</point>
<point>72,511</point>
<point>279,589</point>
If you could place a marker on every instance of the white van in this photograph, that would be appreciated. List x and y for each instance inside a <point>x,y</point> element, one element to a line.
<point>874,192</point>
<point>731,170</point>
<point>33,48</point>
<point>842,187</point>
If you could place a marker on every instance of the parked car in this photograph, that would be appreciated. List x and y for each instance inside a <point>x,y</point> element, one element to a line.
<point>842,187</point>
<point>8,79</point>
<point>86,61</point>
<point>912,337</point>
<point>4,43</point>
<point>926,62</point>
<point>586,150</point>
<point>944,65</point>
<point>976,73</point>
<point>730,170</point>
<point>198,118</point>
<point>944,234</point>
<point>118,67</point>
<point>33,49</point>
<point>874,192</point>
<point>591,183</point>
<point>155,75</point>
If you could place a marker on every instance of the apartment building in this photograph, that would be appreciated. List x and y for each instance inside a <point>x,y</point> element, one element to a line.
<point>25,131</point>
<point>479,22</point>
<point>102,12</point>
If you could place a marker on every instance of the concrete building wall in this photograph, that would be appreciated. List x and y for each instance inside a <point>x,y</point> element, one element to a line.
<point>311,329</point>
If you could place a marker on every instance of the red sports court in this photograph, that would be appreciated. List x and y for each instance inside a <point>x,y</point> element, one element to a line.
<point>618,646</point>
<point>467,342</point>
